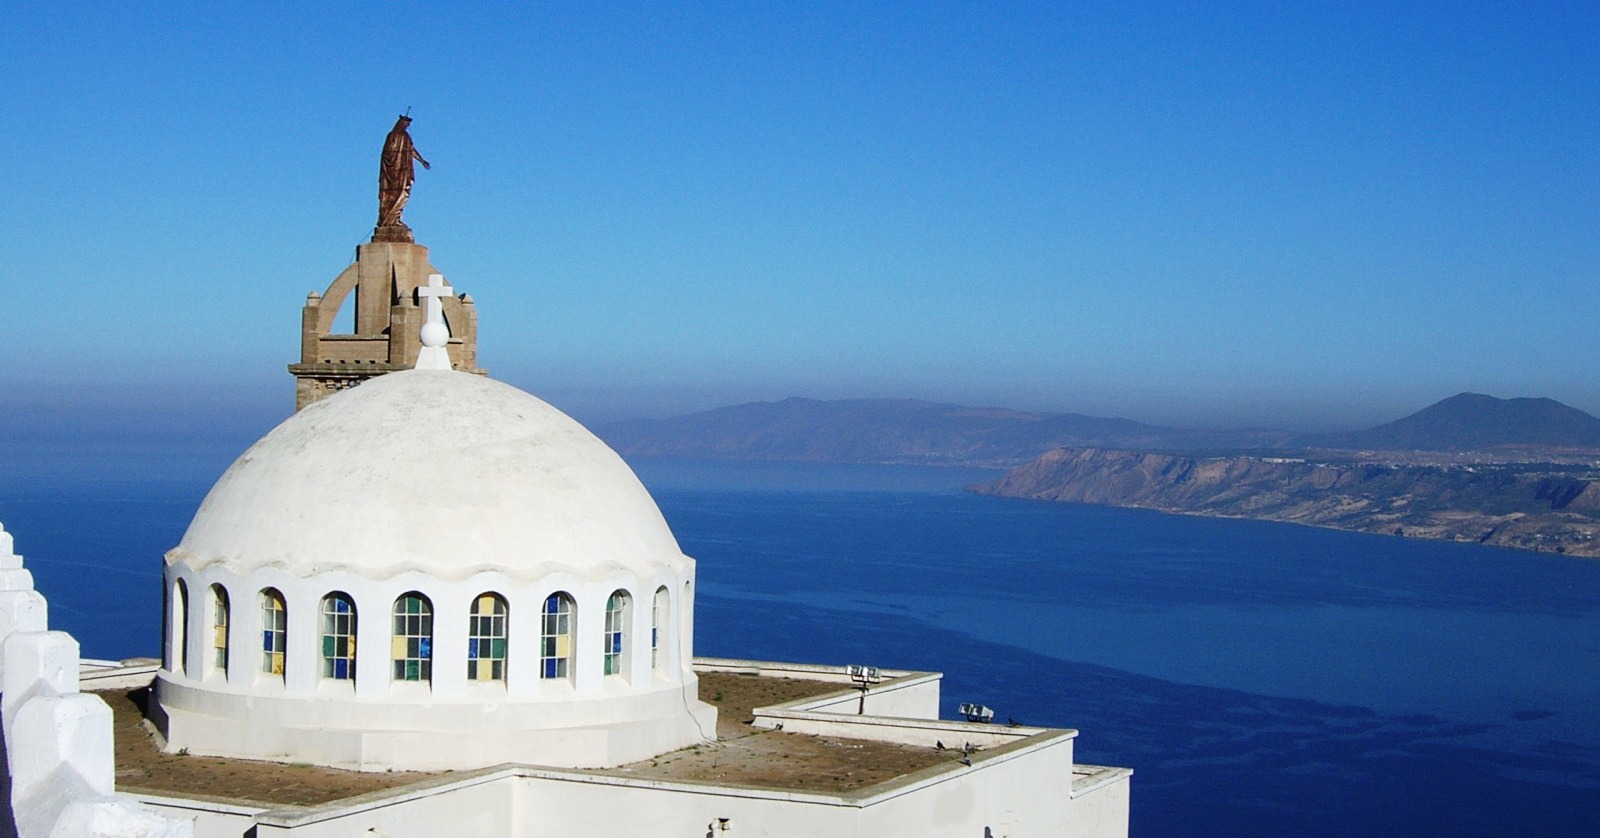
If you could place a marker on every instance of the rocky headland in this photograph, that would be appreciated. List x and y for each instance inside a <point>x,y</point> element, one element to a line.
<point>1544,507</point>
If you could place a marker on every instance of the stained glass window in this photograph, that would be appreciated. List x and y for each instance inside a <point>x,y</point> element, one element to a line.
<point>486,651</point>
<point>338,637</point>
<point>412,647</point>
<point>219,628</point>
<point>658,618</point>
<point>274,631</point>
<point>616,634</point>
<point>555,640</point>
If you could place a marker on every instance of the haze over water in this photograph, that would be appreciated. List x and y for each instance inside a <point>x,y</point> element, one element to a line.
<point>1261,679</point>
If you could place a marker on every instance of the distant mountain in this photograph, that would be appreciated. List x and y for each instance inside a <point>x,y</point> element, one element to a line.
<point>1474,422</point>
<point>899,431</point>
<point>1524,506</point>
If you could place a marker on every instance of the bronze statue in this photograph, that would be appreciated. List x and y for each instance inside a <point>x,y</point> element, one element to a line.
<point>395,177</point>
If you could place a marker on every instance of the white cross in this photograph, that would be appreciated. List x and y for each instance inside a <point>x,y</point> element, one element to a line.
<point>435,334</point>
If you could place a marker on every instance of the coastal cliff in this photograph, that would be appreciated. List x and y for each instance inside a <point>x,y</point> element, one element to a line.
<point>1509,506</point>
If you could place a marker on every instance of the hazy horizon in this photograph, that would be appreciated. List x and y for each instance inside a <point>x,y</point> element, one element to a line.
<point>1305,218</point>
<point>213,409</point>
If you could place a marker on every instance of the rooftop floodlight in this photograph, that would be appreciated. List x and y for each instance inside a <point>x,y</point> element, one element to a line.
<point>864,677</point>
<point>976,712</point>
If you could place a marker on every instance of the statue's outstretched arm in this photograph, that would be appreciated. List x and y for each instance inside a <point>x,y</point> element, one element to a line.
<point>418,155</point>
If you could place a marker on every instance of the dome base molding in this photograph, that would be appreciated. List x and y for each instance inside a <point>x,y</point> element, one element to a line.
<point>454,736</point>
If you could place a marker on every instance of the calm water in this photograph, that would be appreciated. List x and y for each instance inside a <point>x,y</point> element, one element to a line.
<point>1262,679</point>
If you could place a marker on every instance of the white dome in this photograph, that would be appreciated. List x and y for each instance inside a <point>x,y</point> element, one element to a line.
<point>441,472</point>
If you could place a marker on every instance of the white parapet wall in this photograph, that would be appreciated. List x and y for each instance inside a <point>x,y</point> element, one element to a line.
<point>59,751</point>
<point>901,693</point>
<point>1016,781</point>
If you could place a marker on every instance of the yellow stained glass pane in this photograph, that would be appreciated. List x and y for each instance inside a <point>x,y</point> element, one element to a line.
<point>277,664</point>
<point>563,645</point>
<point>398,648</point>
<point>486,604</point>
<point>221,637</point>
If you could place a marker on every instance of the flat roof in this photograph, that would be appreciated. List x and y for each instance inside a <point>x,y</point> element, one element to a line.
<point>143,767</point>
<point>747,756</point>
<point>742,755</point>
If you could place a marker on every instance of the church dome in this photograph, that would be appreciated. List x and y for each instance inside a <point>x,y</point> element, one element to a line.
<point>439,472</point>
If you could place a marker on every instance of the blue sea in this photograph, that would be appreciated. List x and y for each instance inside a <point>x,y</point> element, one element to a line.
<point>1260,678</point>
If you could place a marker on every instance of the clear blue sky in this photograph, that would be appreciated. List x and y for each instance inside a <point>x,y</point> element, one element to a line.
<point>1308,215</point>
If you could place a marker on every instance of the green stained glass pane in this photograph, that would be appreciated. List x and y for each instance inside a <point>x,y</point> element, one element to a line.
<point>413,672</point>
<point>327,646</point>
<point>497,648</point>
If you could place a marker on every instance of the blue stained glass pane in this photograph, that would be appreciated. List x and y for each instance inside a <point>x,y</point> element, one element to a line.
<point>266,641</point>
<point>550,604</point>
<point>550,669</point>
<point>341,669</point>
<point>616,643</point>
<point>427,647</point>
<point>472,650</point>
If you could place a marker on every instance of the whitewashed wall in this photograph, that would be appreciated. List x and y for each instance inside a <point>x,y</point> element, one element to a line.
<point>373,722</point>
<point>1022,783</point>
<point>1023,792</point>
<point>58,741</point>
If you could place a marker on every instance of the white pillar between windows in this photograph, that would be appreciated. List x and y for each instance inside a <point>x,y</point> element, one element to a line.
<point>374,618</point>
<point>208,641</point>
<point>452,612</point>
<point>169,631</point>
<point>195,632</point>
<point>302,660</point>
<point>637,642</point>
<point>685,644</point>
<point>588,655</point>
<point>522,641</point>
<point>244,615</point>
<point>669,633</point>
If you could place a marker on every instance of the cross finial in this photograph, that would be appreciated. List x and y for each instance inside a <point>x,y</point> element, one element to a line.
<point>435,334</point>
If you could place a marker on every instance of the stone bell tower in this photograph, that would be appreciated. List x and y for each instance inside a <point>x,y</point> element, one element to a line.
<point>383,283</point>
<point>384,280</point>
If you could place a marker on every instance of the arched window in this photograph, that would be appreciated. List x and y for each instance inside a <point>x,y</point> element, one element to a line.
<point>555,640</point>
<point>660,611</point>
<point>412,648</point>
<point>486,655</point>
<point>616,633</point>
<point>219,628</point>
<point>274,631</point>
<point>338,637</point>
<point>178,658</point>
